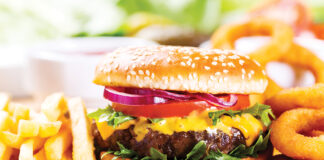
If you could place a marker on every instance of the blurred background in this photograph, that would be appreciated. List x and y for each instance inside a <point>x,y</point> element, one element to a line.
<point>54,45</point>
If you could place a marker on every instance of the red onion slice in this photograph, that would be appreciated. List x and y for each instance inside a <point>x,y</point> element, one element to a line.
<point>131,99</point>
<point>158,93</point>
<point>139,96</point>
<point>213,99</point>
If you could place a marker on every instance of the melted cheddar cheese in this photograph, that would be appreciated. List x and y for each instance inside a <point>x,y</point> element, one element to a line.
<point>246,123</point>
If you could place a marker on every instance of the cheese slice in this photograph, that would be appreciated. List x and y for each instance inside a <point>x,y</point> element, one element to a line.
<point>246,123</point>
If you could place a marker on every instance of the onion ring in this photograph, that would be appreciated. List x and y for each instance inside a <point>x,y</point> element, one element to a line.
<point>285,135</point>
<point>280,32</point>
<point>306,97</point>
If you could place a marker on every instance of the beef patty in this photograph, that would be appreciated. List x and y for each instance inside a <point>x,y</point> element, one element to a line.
<point>177,145</point>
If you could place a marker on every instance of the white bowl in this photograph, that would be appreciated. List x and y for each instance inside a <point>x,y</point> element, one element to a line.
<point>12,70</point>
<point>68,66</point>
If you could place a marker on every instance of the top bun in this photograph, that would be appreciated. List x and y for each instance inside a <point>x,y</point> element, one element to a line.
<point>182,69</point>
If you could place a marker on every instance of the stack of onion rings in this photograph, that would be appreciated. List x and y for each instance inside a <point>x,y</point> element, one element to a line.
<point>281,37</point>
<point>280,48</point>
<point>286,135</point>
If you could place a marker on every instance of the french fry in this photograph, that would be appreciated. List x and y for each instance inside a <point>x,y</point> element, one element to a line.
<point>11,140</point>
<point>38,143</point>
<point>20,111</point>
<point>5,152</point>
<point>40,155</point>
<point>26,150</point>
<point>53,106</point>
<point>82,138</point>
<point>55,146</point>
<point>67,155</point>
<point>48,129</point>
<point>4,101</point>
<point>14,125</point>
<point>5,121</point>
<point>28,128</point>
<point>11,108</point>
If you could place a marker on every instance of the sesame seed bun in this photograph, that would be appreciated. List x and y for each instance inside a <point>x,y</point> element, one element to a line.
<point>181,69</point>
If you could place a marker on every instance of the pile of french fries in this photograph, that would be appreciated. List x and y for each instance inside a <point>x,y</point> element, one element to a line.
<point>27,135</point>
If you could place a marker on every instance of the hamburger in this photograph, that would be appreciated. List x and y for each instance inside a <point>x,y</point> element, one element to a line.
<point>180,103</point>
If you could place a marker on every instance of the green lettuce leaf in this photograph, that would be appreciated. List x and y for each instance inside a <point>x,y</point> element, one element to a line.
<point>156,120</point>
<point>197,151</point>
<point>157,155</point>
<point>261,144</point>
<point>260,111</point>
<point>112,117</point>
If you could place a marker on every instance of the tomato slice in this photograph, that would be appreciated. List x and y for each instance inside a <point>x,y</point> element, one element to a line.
<point>176,109</point>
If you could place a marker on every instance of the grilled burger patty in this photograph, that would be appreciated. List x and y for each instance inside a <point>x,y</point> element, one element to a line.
<point>177,145</point>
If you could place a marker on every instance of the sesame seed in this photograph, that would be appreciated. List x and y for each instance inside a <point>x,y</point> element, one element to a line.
<point>168,59</point>
<point>215,58</point>
<point>212,77</point>
<point>197,58</point>
<point>247,57</point>
<point>222,57</point>
<point>241,62</point>
<point>252,71</point>
<point>154,63</point>
<point>257,63</point>
<point>193,65</point>
<point>190,77</point>
<point>206,57</point>
<point>186,57</point>
<point>140,72</point>
<point>146,78</point>
<point>264,72</point>
<point>231,64</point>
<point>223,64</point>
<point>152,75</point>
<point>180,77</point>
<point>243,71</point>
<point>189,63</point>
<point>147,72</point>
<point>225,71</point>
<point>243,76</point>
<point>217,73</point>
<point>207,68</point>
<point>214,63</point>
<point>195,75</point>
<point>249,75</point>
<point>133,72</point>
<point>128,77</point>
<point>183,63</point>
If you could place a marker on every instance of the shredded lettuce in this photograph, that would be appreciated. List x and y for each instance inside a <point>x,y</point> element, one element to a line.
<point>112,117</point>
<point>260,111</point>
